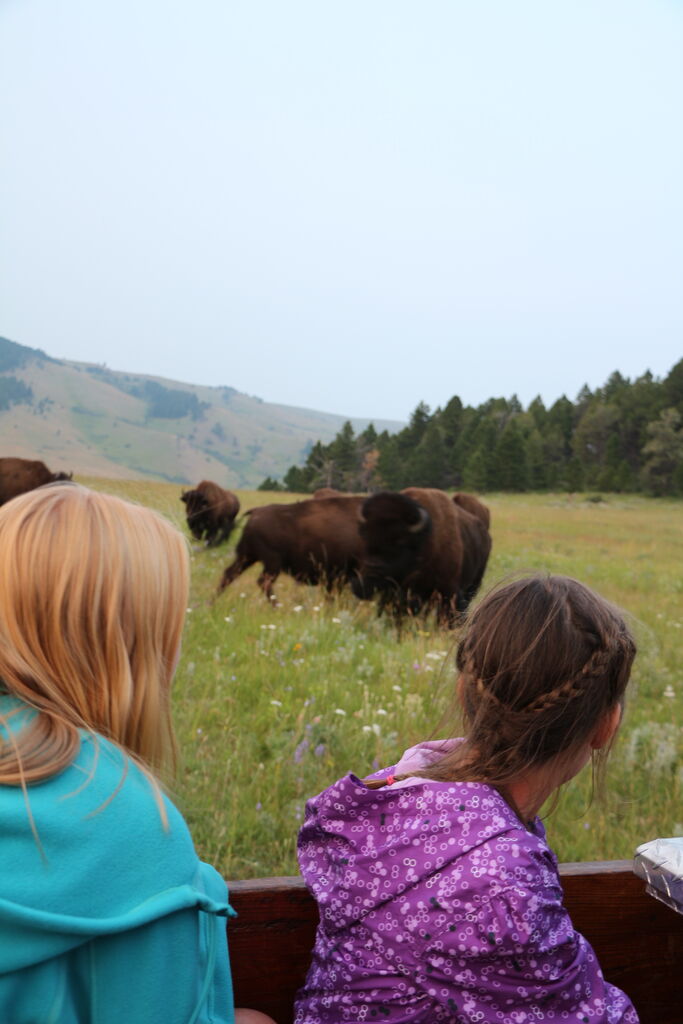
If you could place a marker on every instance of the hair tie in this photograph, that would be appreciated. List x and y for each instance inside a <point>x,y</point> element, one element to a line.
<point>390,780</point>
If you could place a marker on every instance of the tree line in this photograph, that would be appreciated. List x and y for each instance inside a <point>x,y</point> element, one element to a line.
<point>624,436</point>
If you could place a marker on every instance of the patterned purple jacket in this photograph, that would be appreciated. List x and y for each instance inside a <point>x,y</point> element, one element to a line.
<point>438,905</point>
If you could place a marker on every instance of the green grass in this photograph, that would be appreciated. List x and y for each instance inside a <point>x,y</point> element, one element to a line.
<point>273,703</point>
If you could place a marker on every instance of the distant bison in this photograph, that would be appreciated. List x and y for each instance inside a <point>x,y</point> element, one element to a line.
<point>314,541</point>
<point>211,512</point>
<point>20,475</point>
<point>422,551</point>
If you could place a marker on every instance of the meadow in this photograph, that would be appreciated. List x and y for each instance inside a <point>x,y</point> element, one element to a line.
<point>273,701</point>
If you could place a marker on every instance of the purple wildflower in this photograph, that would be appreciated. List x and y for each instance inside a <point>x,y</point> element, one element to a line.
<point>319,750</point>
<point>300,751</point>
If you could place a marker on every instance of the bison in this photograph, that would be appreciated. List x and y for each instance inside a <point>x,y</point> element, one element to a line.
<point>315,541</point>
<point>20,475</point>
<point>474,507</point>
<point>211,512</point>
<point>327,492</point>
<point>422,551</point>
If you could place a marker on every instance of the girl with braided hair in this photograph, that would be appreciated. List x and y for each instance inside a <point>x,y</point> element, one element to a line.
<point>439,897</point>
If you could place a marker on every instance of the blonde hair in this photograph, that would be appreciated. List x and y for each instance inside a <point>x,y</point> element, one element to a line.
<point>93,592</point>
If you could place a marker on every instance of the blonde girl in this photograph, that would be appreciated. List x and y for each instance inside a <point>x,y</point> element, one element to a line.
<point>106,913</point>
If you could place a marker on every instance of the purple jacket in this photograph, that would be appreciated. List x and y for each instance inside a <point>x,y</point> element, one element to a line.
<point>437,904</point>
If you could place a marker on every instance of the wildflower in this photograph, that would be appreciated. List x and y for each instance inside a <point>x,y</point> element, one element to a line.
<point>381,711</point>
<point>297,608</point>
<point>337,621</point>
<point>199,732</point>
<point>228,618</point>
<point>300,751</point>
<point>396,689</point>
<point>233,678</point>
<point>669,693</point>
<point>297,647</point>
<point>319,750</point>
<point>276,703</point>
<point>374,728</point>
<point>586,825</point>
<point>339,711</point>
<point>422,632</point>
<point>243,595</point>
<point>189,610</point>
<point>416,666</point>
<point>316,607</point>
<point>259,806</point>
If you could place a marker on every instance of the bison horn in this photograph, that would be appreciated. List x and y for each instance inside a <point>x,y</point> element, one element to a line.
<point>422,522</point>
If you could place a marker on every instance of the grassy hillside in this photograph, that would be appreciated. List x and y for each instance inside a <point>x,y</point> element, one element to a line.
<point>275,701</point>
<point>86,418</point>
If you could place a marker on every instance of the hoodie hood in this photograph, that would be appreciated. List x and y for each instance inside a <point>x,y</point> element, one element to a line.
<point>86,854</point>
<point>357,845</point>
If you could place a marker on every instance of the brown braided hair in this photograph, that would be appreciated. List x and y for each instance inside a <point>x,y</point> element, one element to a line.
<point>542,661</point>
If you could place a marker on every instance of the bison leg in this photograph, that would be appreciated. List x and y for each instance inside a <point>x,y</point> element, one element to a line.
<point>221,535</point>
<point>233,571</point>
<point>266,581</point>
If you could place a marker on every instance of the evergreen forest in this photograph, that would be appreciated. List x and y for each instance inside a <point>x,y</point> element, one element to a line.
<point>624,436</point>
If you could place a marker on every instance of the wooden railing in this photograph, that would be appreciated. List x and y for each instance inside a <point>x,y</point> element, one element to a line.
<point>638,940</point>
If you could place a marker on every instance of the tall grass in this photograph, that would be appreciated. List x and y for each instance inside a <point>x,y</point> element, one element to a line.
<point>275,701</point>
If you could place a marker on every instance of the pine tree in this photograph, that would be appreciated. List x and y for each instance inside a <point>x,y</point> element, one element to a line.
<point>663,453</point>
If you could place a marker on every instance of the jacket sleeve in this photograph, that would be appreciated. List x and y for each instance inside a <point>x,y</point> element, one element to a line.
<point>516,958</point>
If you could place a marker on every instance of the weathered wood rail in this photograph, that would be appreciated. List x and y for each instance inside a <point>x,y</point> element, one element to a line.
<point>638,940</point>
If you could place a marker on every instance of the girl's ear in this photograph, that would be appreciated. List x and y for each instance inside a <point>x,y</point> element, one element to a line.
<point>606,730</point>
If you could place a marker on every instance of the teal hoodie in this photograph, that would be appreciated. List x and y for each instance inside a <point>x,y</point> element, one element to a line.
<point>108,917</point>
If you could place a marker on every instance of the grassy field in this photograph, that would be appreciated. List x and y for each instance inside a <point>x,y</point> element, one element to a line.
<point>272,703</point>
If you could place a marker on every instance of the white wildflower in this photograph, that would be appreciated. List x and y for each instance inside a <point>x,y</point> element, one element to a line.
<point>381,711</point>
<point>339,711</point>
<point>228,618</point>
<point>669,693</point>
<point>337,621</point>
<point>298,608</point>
<point>276,703</point>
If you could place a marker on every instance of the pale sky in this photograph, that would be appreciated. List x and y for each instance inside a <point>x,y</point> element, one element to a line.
<point>348,206</point>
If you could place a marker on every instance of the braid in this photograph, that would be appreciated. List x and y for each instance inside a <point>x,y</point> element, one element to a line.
<point>561,694</point>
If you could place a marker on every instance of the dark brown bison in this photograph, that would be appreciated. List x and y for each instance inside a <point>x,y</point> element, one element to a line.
<point>327,492</point>
<point>474,507</point>
<point>20,475</point>
<point>422,551</point>
<point>211,512</point>
<point>314,541</point>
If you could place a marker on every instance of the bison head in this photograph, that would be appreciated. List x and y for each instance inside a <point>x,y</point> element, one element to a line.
<point>394,529</point>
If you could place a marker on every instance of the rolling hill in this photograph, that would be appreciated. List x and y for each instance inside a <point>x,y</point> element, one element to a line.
<point>89,419</point>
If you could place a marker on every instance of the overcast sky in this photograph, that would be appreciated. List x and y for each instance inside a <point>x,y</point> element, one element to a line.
<point>349,206</point>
